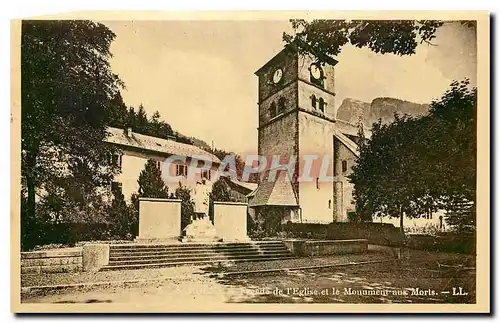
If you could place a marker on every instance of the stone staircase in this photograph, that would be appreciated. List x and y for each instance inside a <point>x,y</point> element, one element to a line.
<point>136,256</point>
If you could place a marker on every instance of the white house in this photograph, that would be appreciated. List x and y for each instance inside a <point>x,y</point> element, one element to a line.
<point>135,150</point>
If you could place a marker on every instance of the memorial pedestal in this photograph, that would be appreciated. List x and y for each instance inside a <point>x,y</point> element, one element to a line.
<point>230,221</point>
<point>159,220</point>
<point>201,230</point>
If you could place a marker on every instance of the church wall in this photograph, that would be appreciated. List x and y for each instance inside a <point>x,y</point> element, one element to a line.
<point>289,94</point>
<point>316,138</point>
<point>279,137</point>
<point>344,201</point>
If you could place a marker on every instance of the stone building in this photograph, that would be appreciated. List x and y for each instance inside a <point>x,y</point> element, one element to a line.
<point>135,150</point>
<point>297,118</point>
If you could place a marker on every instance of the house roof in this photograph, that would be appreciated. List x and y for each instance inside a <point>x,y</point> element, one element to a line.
<point>157,145</point>
<point>279,192</point>
<point>247,185</point>
<point>351,145</point>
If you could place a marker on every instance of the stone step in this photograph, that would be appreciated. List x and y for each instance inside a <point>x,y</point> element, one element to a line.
<point>198,258</point>
<point>194,245</point>
<point>191,250</point>
<point>184,263</point>
<point>158,255</point>
<point>147,255</point>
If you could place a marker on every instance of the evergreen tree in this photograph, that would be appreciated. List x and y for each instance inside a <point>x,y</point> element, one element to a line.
<point>122,219</point>
<point>151,183</point>
<point>220,191</point>
<point>187,204</point>
<point>141,121</point>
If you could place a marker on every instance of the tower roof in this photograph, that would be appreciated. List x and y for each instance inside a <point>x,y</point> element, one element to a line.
<point>293,47</point>
<point>279,192</point>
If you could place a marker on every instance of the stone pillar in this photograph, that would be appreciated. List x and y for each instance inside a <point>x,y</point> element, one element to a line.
<point>95,256</point>
<point>159,220</point>
<point>230,221</point>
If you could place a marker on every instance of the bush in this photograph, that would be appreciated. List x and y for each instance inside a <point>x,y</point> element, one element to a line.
<point>447,242</point>
<point>375,233</point>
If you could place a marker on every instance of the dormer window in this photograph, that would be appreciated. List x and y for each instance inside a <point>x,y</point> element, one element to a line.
<point>322,105</point>
<point>313,101</point>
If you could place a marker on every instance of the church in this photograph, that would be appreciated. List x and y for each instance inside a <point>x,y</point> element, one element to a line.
<point>296,99</point>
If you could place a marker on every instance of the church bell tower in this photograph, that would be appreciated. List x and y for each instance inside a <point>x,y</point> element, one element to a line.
<point>297,118</point>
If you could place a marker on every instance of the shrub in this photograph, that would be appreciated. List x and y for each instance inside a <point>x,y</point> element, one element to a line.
<point>187,205</point>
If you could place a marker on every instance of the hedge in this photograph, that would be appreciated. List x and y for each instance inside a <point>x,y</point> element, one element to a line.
<point>446,242</point>
<point>376,233</point>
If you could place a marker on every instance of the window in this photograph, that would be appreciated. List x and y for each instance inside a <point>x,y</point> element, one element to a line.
<point>344,166</point>
<point>116,159</point>
<point>272,110</point>
<point>313,101</point>
<point>158,164</point>
<point>281,105</point>
<point>329,204</point>
<point>180,170</point>
<point>322,105</point>
<point>205,173</point>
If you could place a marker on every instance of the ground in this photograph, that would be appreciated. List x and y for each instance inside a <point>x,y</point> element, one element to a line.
<point>421,277</point>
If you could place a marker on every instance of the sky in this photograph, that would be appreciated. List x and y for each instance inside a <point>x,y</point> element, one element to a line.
<point>200,74</point>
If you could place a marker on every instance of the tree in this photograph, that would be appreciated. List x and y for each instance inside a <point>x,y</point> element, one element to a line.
<point>327,37</point>
<point>151,183</point>
<point>220,191</point>
<point>123,219</point>
<point>141,121</point>
<point>131,118</point>
<point>187,204</point>
<point>385,178</point>
<point>452,146</point>
<point>66,90</point>
<point>239,163</point>
<point>117,114</point>
<point>414,166</point>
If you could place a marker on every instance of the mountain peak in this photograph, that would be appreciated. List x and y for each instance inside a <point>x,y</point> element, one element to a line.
<point>352,110</point>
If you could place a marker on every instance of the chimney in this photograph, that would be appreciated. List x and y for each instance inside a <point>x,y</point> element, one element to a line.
<point>128,132</point>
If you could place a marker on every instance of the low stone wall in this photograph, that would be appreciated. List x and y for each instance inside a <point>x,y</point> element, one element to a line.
<point>303,248</point>
<point>376,233</point>
<point>52,261</point>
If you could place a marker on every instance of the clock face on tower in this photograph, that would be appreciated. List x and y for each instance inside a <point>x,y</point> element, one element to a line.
<point>278,74</point>
<point>316,71</point>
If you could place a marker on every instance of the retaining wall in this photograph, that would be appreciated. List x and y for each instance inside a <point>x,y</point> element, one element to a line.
<point>303,248</point>
<point>52,261</point>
